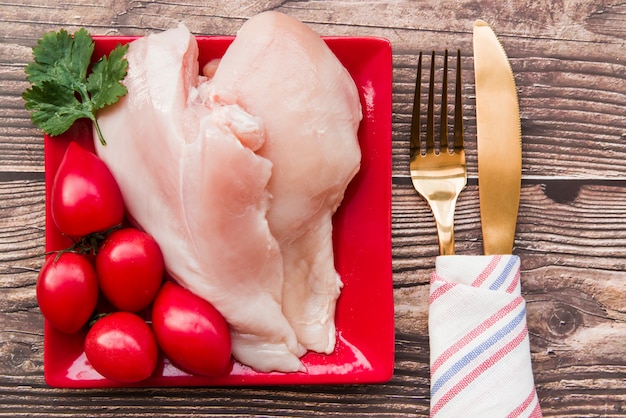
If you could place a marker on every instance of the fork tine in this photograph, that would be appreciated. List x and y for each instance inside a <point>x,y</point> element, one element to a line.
<point>458,106</point>
<point>430,118</point>
<point>415,119</point>
<point>443,124</point>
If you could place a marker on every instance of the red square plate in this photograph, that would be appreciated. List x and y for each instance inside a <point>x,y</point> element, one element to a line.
<point>362,240</point>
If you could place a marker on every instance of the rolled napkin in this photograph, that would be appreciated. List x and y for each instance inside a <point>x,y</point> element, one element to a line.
<point>480,362</point>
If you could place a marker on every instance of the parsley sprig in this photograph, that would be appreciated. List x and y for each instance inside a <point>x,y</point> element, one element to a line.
<point>62,88</point>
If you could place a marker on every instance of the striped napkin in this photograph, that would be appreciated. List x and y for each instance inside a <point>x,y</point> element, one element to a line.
<point>479,349</point>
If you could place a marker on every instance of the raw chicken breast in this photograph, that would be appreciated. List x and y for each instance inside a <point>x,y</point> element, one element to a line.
<point>281,71</point>
<point>190,178</point>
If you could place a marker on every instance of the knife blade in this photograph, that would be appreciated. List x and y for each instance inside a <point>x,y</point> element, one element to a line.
<point>499,141</point>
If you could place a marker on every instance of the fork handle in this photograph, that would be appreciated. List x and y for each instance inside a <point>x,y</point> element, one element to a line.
<point>443,211</point>
<point>446,238</point>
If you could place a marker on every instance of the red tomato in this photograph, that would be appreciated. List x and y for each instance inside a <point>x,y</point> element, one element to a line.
<point>85,197</point>
<point>191,332</point>
<point>130,269</point>
<point>67,291</point>
<point>121,347</point>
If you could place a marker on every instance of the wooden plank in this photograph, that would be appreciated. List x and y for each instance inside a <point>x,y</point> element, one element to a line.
<point>574,291</point>
<point>569,101</point>
<point>569,61</point>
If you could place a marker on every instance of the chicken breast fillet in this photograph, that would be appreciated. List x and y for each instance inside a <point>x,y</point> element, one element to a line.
<point>281,71</point>
<point>190,178</point>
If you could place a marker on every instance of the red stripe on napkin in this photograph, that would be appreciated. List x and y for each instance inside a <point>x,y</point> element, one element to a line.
<point>495,260</point>
<point>530,399</point>
<point>510,307</point>
<point>484,366</point>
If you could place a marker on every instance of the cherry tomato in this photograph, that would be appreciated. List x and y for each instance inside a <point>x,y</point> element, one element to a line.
<point>121,347</point>
<point>191,332</point>
<point>85,197</point>
<point>130,269</point>
<point>67,291</point>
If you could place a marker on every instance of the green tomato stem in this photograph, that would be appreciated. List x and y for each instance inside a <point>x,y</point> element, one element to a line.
<point>95,122</point>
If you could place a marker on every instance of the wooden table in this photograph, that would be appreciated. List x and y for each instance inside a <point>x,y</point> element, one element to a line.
<point>569,59</point>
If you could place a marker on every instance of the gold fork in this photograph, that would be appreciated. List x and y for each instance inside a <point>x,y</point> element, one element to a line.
<point>439,176</point>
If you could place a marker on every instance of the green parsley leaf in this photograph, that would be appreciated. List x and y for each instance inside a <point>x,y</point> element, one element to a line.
<point>54,108</point>
<point>103,83</point>
<point>62,91</point>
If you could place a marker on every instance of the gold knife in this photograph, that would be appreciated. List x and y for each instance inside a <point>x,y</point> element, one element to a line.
<point>499,141</point>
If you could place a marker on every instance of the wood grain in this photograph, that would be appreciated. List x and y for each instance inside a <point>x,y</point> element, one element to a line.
<point>569,60</point>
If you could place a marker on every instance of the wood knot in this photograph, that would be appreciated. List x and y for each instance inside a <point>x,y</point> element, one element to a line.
<point>564,320</point>
<point>564,192</point>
